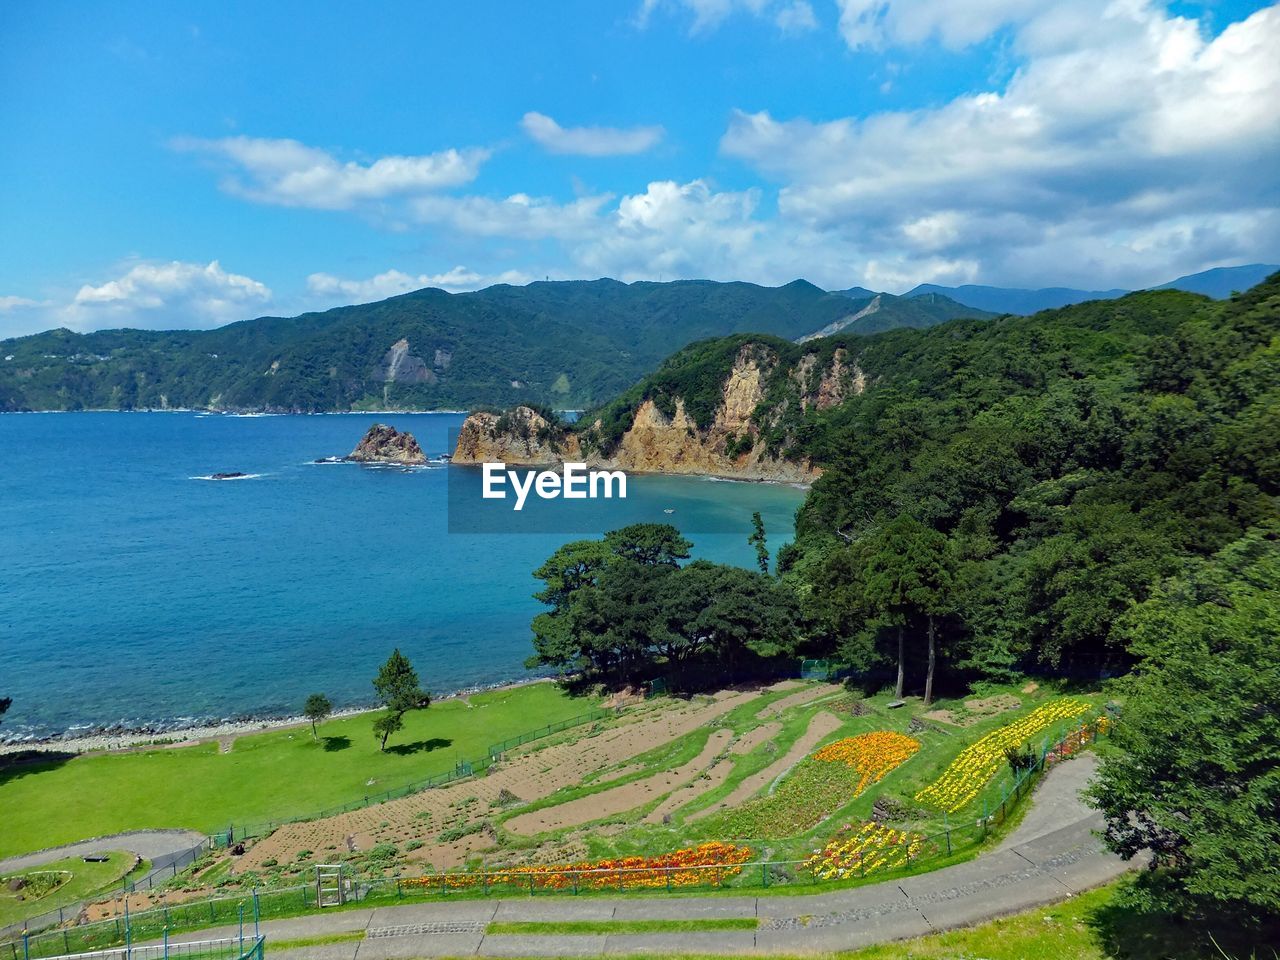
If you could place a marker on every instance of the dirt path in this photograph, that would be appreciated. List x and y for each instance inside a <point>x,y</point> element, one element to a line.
<point>821,725</point>
<point>800,697</point>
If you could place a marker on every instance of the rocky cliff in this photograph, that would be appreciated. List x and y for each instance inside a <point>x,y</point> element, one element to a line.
<point>760,397</point>
<point>383,444</point>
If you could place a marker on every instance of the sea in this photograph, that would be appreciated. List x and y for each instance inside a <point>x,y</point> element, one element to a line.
<point>137,593</point>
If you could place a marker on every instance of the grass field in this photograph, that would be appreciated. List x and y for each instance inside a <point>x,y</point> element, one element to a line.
<point>268,776</point>
<point>82,880</point>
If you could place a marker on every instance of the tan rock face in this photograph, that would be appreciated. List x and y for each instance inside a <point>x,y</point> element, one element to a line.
<point>521,436</point>
<point>653,443</point>
<point>383,444</point>
<point>841,381</point>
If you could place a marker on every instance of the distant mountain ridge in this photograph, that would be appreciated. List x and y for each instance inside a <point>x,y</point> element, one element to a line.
<point>561,343</point>
<point>1219,283</point>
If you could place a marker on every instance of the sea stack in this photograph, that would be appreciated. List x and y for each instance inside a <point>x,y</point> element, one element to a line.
<point>383,444</point>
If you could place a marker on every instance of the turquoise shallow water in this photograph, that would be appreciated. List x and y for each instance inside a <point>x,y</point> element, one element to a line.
<point>132,593</point>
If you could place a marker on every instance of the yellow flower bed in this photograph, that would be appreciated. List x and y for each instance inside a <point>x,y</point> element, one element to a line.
<point>872,755</point>
<point>869,848</point>
<point>978,763</point>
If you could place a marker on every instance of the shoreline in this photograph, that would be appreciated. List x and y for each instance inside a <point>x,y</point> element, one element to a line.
<point>189,736</point>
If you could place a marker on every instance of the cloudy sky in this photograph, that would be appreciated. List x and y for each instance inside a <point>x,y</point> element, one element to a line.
<point>183,164</point>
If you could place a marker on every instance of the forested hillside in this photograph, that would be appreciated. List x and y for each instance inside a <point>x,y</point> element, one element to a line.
<point>1058,468</point>
<point>567,344</point>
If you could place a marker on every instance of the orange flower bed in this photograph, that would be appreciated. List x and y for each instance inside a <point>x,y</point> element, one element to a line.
<point>690,867</point>
<point>871,754</point>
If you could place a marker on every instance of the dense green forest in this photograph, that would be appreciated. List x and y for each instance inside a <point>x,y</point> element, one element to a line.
<point>1084,494</point>
<point>565,344</point>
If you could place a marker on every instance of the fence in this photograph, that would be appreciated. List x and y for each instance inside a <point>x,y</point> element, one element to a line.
<point>997,804</point>
<point>462,769</point>
<point>163,869</point>
<point>230,948</point>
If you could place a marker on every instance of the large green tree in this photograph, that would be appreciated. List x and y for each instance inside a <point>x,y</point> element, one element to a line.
<point>908,575</point>
<point>399,691</point>
<point>1195,778</point>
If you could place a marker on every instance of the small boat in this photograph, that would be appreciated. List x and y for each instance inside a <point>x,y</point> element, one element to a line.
<point>668,510</point>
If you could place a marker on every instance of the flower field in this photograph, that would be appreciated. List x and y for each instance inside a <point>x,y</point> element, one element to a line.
<point>871,847</point>
<point>960,783</point>
<point>872,755</point>
<point>708,863</point>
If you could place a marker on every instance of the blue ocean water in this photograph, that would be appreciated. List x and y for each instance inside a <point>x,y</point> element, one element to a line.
<point>131,592</point>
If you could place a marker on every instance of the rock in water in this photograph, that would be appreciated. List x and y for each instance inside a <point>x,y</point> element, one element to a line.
<point>383,444</point>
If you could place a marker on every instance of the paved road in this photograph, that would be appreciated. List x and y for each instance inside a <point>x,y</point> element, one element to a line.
<point>158,846</point>
<point>164,848</point>
<point>1052,855</point>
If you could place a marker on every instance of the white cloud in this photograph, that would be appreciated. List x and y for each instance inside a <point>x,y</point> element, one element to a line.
<point>147,296</point>
<point>790,16</point>
<point>589,141</point>
<point>873,23</point>
<point>518,216</point>
<point>292,174</point>
<point>392,282</point>
<point>1122,125</point>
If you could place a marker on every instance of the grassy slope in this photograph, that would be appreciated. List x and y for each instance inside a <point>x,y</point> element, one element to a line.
<point>273,775</point>
<point>86,880</point>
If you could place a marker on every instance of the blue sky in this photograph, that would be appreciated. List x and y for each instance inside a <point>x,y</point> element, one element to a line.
<point>175,164</point>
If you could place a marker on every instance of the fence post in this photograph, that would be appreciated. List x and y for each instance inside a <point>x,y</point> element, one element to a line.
<point>166,942</point>
<point>26,945</point>
<point>257,911</point>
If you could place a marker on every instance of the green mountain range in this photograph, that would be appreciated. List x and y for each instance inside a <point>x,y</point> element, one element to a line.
<point>562,343</point>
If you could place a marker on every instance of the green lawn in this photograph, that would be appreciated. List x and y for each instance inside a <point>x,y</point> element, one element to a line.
<point>83,880</point>
<point>267,776</point>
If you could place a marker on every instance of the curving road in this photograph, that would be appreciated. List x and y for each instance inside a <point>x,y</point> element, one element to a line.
<point>1053,854</point>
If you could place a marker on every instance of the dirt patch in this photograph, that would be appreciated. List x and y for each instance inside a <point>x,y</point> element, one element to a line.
<point>975,710</point>
<point>754,737</point>
<point>620,799</point>
<point>531,774</point>
<point>808,694</point>
<point>820,726</point>
<point>1031,687</point>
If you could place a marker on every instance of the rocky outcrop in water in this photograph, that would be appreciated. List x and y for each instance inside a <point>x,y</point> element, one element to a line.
<point>383,444</point>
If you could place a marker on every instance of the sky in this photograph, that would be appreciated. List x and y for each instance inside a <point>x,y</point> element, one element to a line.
<point>184,164</point>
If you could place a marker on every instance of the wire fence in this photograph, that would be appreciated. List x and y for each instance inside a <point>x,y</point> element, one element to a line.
<point>162,870</point>
<point>238,833</point>
<point>913,851</point>
<point>228,948</point>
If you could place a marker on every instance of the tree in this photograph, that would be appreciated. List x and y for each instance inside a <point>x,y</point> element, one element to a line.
<point>757,540</point>
<point>1196,776</point>
<point>908,572</point>
<point>385,725</point>
<point>316,709</point>
<point>651,544</point>
<point>725,611</point>
<point>399,691</point>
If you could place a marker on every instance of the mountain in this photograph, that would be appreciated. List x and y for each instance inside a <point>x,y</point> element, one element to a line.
<point>564,343</point>
<point>1012,299</point>
<point>877,312</point>
<point>760,407</point>
<point>1219,283</point>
